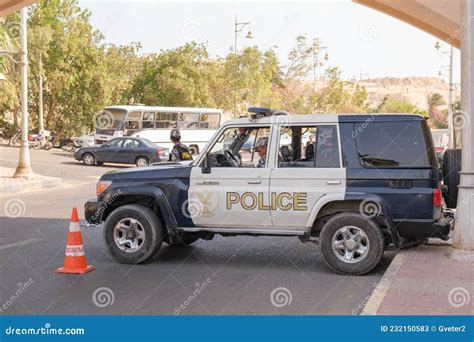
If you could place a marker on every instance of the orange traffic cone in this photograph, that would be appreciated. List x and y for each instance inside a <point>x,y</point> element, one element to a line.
<point>75,258</point>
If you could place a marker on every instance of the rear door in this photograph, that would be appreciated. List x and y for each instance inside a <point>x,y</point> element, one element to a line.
<point>307,169</point>
<point>130,151</point>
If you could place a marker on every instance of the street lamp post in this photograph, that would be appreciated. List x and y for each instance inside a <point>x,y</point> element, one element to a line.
<point>451,143</point>
<point>23,169</point>
<point>238,27</point>
<point>316,52</point>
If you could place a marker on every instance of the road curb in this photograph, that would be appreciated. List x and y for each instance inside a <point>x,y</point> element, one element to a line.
<point>39,183</point>
<point>380,291</point>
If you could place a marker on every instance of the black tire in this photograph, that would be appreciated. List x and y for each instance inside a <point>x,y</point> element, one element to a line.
<point>142,161</point>
<point>185,240</point>
<point>48,146</point>
<point>68,147</point>
<point>451,169</point>
<point>151,226</point>
<point>13,141</point>
<point>36,145</point>
<point>373,234</point>
<point>194,150</point>
<point>88,159</point>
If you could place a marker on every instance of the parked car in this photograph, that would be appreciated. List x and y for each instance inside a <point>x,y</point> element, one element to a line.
<point>84,140</point>
<point>356,193</point>
<point>139,151</point>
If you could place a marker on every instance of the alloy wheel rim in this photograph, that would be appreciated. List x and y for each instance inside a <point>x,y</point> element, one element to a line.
<point>350,244</point>
<point>129,235</point>
<point>141,162</point>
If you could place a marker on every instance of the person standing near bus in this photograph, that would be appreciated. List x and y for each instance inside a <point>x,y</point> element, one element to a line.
<point>179,151</point>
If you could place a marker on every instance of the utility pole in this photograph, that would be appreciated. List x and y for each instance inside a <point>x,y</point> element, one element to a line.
<point>451,142</point>
<point>40,95</point>
<point>23,169</point>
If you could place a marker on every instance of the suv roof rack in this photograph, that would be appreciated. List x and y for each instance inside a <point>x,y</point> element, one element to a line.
<point>259,112</point>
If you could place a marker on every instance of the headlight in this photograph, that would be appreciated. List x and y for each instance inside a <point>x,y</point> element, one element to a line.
<point>101,186</point>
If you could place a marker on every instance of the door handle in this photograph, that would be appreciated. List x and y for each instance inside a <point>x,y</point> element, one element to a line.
<point>208,183</point>
<point>254,182</point>
<point>333,182</point>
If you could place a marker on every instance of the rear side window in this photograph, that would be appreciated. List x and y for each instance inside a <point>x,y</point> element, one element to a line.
<point>392,144</point>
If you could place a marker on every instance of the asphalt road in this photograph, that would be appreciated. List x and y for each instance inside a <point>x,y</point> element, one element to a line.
<point>224,276</point>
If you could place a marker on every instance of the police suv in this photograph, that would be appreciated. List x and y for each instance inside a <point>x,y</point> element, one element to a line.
<point>353,183</point>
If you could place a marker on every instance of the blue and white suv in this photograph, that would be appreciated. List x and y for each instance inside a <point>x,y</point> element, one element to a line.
<point>356,183</point>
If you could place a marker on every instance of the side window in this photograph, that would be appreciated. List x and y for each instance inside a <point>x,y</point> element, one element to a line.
<point>166,120</point>
<point>188,120</point>
<point>247,144</point>
<point>115,143</point>
<point>130,143</point>
<point>132,123</point>
<point>327,147</point>
<point>308,146</point>
<point>148,120</point>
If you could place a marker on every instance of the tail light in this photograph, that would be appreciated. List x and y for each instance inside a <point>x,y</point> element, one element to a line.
<point>437,198</point>
<point>437,204</point>
<point>439,149</point>
<point>30,137</point>
<point>159,152</point>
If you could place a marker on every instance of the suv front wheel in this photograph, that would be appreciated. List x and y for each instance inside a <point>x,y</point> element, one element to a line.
<point>133,234</point>
<point>351,243</point>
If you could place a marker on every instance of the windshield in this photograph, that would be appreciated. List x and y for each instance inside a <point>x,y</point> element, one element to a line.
<point>111,118</point>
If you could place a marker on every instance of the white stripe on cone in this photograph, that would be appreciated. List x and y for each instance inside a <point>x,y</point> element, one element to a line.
<point>75,251</point>
<point>74,227</point>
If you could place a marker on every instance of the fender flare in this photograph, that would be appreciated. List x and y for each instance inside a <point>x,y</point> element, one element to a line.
<point>384,208</point>
<point>159,199</point>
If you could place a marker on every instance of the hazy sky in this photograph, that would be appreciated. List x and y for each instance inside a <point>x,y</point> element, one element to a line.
<point>359,40</point>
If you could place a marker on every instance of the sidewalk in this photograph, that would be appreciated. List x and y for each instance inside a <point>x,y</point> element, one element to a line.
<point>426,280</point>
<point>10,185</point>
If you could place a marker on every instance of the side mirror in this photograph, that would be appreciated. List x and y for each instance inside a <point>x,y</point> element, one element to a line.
<point>205,165</point>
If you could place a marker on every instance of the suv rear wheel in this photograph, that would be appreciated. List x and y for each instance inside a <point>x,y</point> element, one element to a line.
<point>133,234</point>
<point>351,244</point>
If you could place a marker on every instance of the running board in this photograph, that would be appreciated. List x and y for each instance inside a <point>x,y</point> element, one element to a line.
<point>243,231</point>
